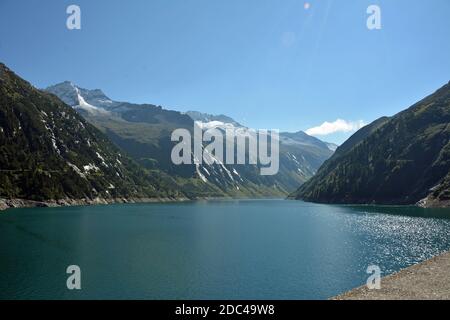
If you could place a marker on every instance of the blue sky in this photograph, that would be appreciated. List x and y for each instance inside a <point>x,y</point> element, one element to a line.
<point>266,63</point>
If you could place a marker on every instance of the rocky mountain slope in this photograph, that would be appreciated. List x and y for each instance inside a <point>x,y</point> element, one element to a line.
<point>49,152</point>
<point>399,160</point>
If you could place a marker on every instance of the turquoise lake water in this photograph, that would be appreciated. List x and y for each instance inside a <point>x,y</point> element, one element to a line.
<point>252,249</point>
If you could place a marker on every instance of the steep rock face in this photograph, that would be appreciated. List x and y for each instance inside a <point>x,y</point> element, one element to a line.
<point>48,151</point>
<point>398,160</point>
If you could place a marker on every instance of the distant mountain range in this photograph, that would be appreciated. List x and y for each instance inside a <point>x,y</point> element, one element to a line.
<point>404,159</point>
<point>144,132</point>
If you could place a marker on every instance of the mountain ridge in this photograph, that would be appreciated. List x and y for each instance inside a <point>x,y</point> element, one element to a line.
<point>50,152</point>
<point>404,159</point>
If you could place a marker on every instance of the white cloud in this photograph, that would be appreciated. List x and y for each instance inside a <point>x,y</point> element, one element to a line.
<point>339,125</point>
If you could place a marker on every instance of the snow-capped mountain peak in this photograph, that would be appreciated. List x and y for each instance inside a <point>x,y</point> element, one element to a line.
<point>80,98</point>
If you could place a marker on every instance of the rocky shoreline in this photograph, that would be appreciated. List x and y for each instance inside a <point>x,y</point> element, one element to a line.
<point>428,280</point>
<point>6,204</point>
<point>431,202</point>
<point>23,203</point>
